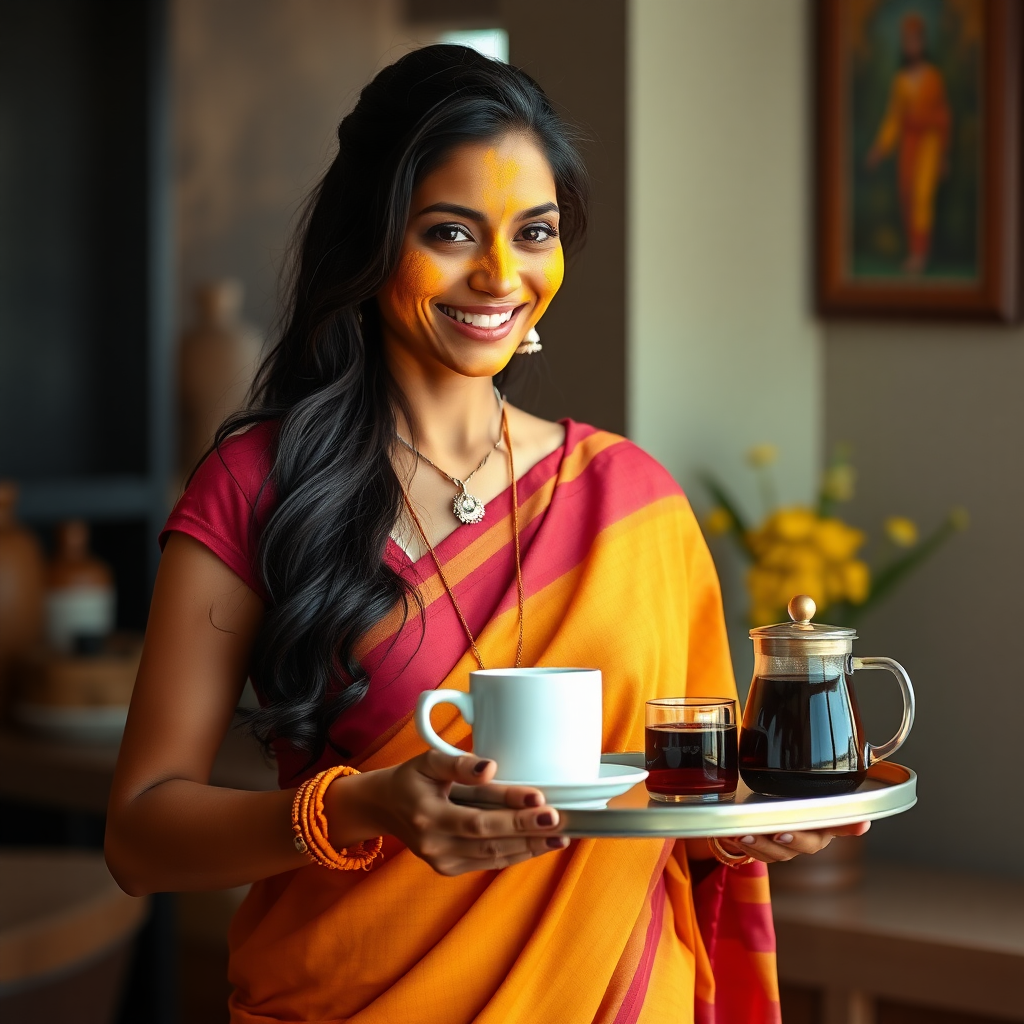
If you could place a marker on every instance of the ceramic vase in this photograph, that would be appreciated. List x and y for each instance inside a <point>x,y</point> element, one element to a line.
<point>22,586</point>
<point>218,359</point>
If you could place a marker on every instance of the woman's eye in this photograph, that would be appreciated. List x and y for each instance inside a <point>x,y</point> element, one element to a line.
<point>450,233</point>
<point>538,233</point>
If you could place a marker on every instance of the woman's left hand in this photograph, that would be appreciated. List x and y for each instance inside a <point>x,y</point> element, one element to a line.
<point>787,845</point>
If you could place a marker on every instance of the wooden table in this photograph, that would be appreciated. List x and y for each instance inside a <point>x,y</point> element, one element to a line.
<point>910,935</point>
<point>76,777</point>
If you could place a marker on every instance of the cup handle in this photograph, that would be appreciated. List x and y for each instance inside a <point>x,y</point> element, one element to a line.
<point>883,750</point>
<point>462,700</point>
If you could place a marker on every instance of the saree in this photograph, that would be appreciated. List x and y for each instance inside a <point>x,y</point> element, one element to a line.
<point>622,931</point>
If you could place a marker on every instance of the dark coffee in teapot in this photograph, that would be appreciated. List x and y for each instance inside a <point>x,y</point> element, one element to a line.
<point>802,737</point>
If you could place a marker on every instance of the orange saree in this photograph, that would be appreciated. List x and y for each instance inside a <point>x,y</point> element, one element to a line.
<point>613,931</point>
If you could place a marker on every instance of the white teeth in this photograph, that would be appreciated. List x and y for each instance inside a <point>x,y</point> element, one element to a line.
<point>486,320</point>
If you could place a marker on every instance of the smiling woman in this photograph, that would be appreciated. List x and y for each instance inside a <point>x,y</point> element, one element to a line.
<point>316,551</point>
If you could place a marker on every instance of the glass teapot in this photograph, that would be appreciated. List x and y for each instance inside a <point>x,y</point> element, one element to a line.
<point>802,734</point>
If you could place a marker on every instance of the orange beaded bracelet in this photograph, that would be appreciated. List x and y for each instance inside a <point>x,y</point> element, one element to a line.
<point>310,827</point>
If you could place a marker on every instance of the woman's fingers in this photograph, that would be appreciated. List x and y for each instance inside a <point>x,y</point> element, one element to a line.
<point>498,796</point>
<point>442,768</point>
<point>786,845</point>
<point>496,851</point>
<point>477,823</point>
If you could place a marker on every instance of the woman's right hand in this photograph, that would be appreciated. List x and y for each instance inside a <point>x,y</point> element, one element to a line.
<point>412,801</point>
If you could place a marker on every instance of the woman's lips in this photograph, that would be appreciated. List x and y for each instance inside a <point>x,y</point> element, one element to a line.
<point>482,333</point>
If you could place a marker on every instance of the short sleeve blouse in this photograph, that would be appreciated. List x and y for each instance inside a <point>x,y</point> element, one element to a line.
<point>228,499</point>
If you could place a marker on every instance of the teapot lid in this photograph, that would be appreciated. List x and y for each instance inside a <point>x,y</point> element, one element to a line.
<point>801,610</point>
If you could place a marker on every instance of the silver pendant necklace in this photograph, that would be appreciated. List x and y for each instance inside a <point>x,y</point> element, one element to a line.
<point>467,508</point>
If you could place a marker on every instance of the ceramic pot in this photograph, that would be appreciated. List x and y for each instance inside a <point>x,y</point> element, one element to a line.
<point>81,602</point>
<point>22,586</point>
<point>218,359</point>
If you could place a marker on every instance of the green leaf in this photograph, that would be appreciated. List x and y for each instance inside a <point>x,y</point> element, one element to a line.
<point>722,498</point>
<point>895,572</point>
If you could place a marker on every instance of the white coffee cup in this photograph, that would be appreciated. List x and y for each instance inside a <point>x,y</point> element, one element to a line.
<point>541,725</point>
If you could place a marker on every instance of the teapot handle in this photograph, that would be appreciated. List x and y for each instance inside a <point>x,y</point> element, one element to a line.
<point>883,750</point>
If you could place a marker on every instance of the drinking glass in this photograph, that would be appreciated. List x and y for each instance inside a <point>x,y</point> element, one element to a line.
<point>691,749</point>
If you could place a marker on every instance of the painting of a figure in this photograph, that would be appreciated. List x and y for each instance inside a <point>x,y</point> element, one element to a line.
<point>918,177</point>
<point>915,92</point>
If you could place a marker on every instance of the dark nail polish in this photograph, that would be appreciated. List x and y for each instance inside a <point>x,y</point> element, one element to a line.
<point>480,767</point>
<point>555,842</point>
<point>531,800</point>
<point>545,819</point>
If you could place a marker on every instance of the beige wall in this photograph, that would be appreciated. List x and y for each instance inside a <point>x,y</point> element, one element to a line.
<point>723,352</point>
<point>936,418</point>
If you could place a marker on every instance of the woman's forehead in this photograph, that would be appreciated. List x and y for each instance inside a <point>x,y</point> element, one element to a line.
<point>492,176</point>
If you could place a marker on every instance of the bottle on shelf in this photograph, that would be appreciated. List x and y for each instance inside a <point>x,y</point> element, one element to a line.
<point>80,598</point>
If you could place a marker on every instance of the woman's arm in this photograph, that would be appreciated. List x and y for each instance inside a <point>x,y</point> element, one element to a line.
<point>168,829</point>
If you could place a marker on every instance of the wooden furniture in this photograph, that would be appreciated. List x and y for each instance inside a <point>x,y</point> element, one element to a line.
<point>65,934</point>
<point>78,776</point>
<point>911,935</point>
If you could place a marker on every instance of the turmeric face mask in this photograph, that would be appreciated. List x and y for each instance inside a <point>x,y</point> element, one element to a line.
<point>481,259</point>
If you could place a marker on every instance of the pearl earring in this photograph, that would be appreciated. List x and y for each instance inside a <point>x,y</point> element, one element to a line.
<point>531,345</point>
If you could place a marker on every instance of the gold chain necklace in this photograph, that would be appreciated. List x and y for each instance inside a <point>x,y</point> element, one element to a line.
<point>466,507</point>
<point>515,539</point>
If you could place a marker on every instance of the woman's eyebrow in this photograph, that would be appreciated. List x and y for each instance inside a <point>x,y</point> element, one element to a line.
<point>470,214</point>
<point>458,211</point>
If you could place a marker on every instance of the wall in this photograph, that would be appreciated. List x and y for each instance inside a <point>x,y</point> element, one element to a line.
<point>723,352</point>
<point>936,420</point>
<point>580,60</point>
<point>259,89</point>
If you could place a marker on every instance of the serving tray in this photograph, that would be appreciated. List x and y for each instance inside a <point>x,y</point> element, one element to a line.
<point>888,789</point>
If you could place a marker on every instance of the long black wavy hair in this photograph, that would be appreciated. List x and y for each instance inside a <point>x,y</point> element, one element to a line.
<point>337,496</point>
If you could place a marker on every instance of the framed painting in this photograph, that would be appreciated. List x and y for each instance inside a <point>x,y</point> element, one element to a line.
<point>918,158</point>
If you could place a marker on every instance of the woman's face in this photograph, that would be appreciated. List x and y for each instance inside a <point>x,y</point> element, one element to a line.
<point>480,261</point>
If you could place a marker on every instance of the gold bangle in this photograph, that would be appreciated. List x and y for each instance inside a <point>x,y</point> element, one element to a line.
<point>309,825</point>
<point>723,856</point>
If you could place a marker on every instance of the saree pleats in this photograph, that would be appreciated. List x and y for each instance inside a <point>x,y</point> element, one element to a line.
<point>617,578</point>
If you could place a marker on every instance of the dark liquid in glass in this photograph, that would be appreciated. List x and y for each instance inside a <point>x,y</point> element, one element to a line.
<point>690,759</point>
<point>802,738</point>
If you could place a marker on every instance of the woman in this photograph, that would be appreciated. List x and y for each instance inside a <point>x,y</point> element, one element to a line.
<point>333,551</point>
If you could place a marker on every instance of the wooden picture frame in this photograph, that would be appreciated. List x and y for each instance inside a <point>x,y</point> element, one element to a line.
<point>918,158</point>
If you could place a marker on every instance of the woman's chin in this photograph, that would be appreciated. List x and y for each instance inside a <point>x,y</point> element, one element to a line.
<point>480,364</point>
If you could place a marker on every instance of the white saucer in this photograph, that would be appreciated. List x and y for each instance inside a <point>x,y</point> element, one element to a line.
<point>613,780</point>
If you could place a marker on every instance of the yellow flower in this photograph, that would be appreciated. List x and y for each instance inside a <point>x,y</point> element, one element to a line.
<point>901,531</point>
<point>839,481</point>
<point>960,518</point>
<point>764,615</point>
<point>762,455</point>
<point>801,582</point>
<point>717,522</point>
<point>837,541</point>
<point>856,580</point>
<point>792,524</point>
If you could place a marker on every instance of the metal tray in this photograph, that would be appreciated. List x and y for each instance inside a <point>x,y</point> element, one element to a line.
<point>889,789</point>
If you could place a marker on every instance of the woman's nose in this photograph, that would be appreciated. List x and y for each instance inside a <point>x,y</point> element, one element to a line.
<point>497,273</point>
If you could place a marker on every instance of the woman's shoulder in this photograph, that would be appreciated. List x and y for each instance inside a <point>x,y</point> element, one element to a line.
<point>241,463</point>
<point>619,460</point>
<point>228,498</point>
